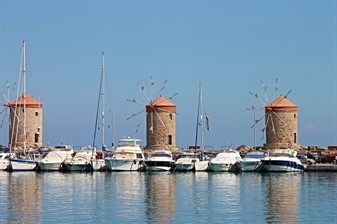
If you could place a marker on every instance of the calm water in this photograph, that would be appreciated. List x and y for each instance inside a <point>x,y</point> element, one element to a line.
<point>29,197</point>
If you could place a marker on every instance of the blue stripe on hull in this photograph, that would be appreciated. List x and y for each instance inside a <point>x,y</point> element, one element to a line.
<point>281,166</point>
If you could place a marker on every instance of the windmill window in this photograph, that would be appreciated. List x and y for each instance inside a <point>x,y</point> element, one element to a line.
<point>36,138</point>
<point>36,114</point>
<point>170,139</point>
<point>295,138</point>
<point>294,115</point>
<point>171,116</point>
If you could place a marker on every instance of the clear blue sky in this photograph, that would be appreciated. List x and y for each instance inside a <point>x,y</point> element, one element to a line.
<point>228,46</point>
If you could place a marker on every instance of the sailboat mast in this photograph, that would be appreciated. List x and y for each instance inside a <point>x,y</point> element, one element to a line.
<point>198,119</point>
<point>202,121</point>
<point>97,111</point>
<point>24,95</point>
<point>103,101</point>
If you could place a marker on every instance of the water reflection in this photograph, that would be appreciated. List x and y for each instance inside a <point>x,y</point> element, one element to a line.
<point>24,195</point>
<point>126,195</point>
<point>160,197</point>
<point>282,192</point>
<point>225,196</point>
<point>131,197</point>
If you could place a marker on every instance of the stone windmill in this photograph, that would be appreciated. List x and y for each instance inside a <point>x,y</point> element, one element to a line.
<point>34,112</point>
<point>281,121</point>
<point>160,121</point>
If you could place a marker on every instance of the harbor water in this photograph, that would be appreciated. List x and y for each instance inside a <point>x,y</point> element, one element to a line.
<point>140,197</point>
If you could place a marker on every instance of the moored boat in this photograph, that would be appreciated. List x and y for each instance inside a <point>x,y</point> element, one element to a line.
<point>4,159</point>
<point>80,162</point>
<point>22,164</point>
<point>186,161</point>
<point>160,160</point>
<point>128,156</point>
<point>282,160</point>
<point>251,162</point>
<point>54,159</point>
<point>226,161</point>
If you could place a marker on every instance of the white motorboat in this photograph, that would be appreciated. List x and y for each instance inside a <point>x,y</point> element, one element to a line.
<point>4,159</point>
<point>128,156</point>
<point>54,159</point>
<point>228,161</point>
<point>186,161</point>
<point>251,162</point>
<point>282,160</point>
<point>201,165</point>
<point>80,162</point>
<point>160,160</point>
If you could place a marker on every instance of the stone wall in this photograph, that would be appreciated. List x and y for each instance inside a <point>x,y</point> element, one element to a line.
<point>159,138</point>
<point>33,127</point>
<point>286,132</point>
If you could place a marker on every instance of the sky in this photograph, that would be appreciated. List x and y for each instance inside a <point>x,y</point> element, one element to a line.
<point>227,46</point>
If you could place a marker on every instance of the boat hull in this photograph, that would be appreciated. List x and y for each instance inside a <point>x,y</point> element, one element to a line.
<point>201,166</point>
<point>49,166</point>
<point>78,167</point>
<point>4,164</point>
<point>250,166</point>
<point>97,164</point>
<point>281,166</point>
<point>22,165</point>
<point>224,167</point>
<point>159,165</point>
<point>184,166</point>
<point>124,165</point>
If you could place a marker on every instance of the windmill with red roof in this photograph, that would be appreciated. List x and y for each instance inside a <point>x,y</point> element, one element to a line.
<point>160,121</point>
<point>281,125</point>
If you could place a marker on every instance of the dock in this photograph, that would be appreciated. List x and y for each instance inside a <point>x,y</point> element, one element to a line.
<point>322,167</point>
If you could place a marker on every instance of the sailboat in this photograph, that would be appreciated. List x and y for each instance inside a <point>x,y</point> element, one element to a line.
<point>97,161</point>
<point>23,162</point>
<point>202,164</point>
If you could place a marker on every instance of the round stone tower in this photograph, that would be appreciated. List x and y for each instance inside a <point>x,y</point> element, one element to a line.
<point>34,112</point>
<point>160,125</point>
<point>281,124</point>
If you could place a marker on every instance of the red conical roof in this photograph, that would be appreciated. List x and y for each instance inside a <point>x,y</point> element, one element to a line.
<point>30,102</point>
<point>281,104</point>
<point>161,105</point>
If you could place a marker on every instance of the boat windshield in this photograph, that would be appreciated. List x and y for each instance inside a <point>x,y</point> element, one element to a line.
<point>124,155</point>
<point>161,155</point>
<point>186,156</point>
<point>281,155</point>
<point>128,143</point>
<point>255,156</point>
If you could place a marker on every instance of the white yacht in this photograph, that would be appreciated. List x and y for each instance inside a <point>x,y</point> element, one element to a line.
<point>228,161</point>
<point>282,160</point>
<point>251,162</point>
<point>4,159</point>
<point>54,159</point>
<point>160,160</point>
<point>128,156</point>
<point>186,161</point>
